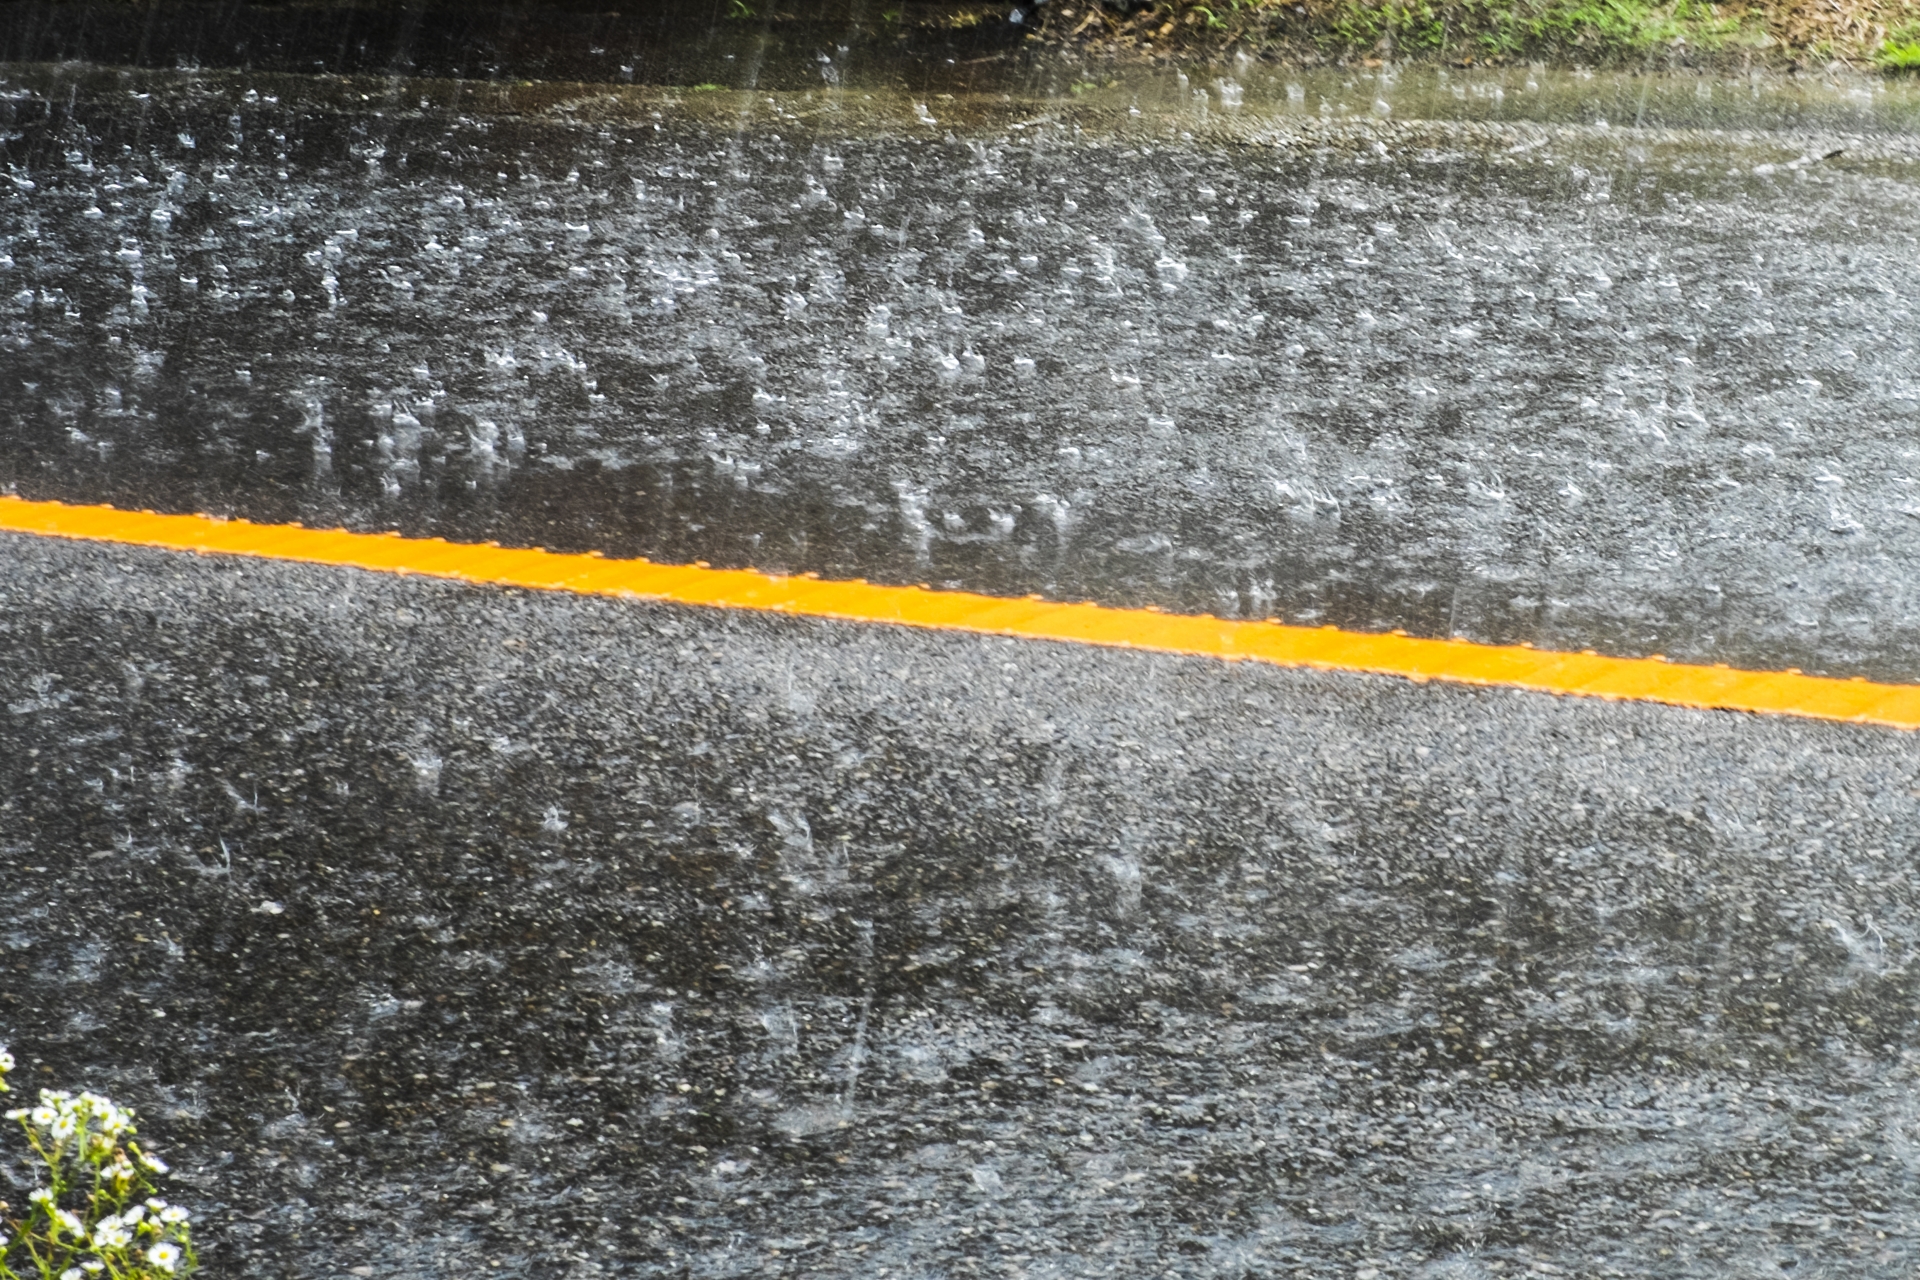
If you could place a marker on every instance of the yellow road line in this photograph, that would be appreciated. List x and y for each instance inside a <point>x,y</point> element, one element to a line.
<point>1328,649</point>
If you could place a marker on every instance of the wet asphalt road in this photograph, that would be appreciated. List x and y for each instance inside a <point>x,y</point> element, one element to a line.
<point>443,931</point>
<point>438,928</point>
<point>1637,390</point>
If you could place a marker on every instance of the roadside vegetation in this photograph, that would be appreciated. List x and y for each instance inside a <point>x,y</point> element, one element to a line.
<point>1807,34</point>
<point>94,1214</point>
<point>1900,51</point>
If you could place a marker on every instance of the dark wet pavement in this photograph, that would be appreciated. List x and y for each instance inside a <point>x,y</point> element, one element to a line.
<point>1582,386</point>
<point>436,929</point>
<point>446,931</point>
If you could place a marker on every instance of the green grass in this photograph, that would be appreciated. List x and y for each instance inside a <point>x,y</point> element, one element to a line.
<point>1900,51</point>
<point>1596,29</point>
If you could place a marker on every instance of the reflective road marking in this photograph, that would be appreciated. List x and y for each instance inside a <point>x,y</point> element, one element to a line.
<point>1326,649</point>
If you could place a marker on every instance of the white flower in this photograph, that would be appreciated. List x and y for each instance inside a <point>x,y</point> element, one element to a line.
<point>93,1264</point>
<point>111,1233</point>
<point>155,1203</point>
<point>41,1115</point>
<point>73,1273</point>
<point>133,1214</point>
<point>153,1163</point>
<point>173,1215</point>
<point>64,1221</point>
<point>18,1113</point>
<point>6,1059</point>
<point>41,1196</point>
<point>164,1256</point>
<point>111,1118</point>
<point>62,1128</point>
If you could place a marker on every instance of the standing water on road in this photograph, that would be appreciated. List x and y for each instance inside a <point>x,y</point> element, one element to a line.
<point>1590,362</point>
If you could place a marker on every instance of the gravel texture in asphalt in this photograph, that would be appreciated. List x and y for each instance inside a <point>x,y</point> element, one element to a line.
<point>445,931</point>
<point>448,931</point>
<point>1245,349</point>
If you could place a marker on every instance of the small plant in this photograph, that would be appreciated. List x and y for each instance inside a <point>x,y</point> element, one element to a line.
<point>739,10</point>
<point>1900,51</point>
<point>98,1216</point>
